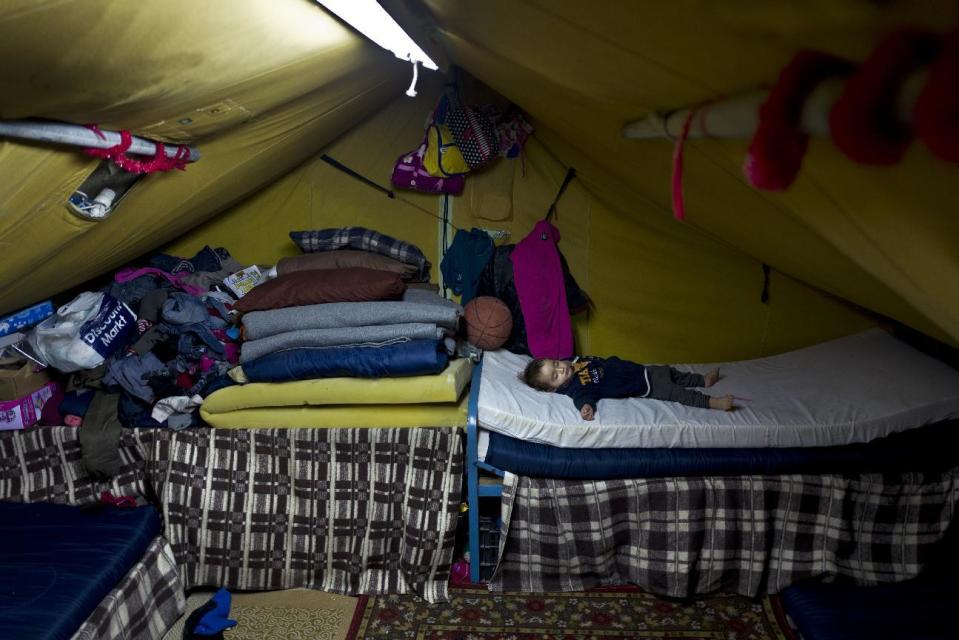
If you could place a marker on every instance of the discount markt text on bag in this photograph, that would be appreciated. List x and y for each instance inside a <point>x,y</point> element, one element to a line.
<point>83,332</point>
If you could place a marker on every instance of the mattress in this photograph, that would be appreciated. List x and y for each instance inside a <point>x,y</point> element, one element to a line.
<point>57,563</point>
<point>844,391</point>
<point>428,414</point>
<point>446,386</point>
<point>433,400</point>
<point>930,448</point>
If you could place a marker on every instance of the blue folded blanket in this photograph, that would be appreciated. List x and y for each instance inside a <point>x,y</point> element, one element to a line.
<point>413,358</point>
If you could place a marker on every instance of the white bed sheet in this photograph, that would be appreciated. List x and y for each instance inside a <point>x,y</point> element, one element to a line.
<point>853,389</point>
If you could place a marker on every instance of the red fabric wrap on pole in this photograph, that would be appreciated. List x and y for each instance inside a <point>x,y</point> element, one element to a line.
<point>937,109</point>
<point>117,153</point>
<point>864,122</point>
<point>778,146</point>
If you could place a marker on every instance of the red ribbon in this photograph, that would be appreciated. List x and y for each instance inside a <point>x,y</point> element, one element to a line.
<point>117,153</point>
<point>679,207</point>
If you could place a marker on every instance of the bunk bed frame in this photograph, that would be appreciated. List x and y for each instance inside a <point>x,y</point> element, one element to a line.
<point>474,488</point>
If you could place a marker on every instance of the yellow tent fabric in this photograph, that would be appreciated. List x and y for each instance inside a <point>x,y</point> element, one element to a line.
<point>268,87</point>
<point>264,85</point>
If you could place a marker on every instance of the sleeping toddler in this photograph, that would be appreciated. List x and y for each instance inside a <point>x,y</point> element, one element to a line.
<point>587,380</point>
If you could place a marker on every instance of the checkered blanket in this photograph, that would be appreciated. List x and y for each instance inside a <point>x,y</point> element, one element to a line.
<point>364,240</point>
<point>44,465</point>
<point>750,535</point>
<point>145,604</point>
<point>342,510</point>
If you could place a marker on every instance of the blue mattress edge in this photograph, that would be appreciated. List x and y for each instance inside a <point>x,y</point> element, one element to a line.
<point>930,448</point>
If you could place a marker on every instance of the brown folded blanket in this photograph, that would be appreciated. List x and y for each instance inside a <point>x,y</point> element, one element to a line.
<point>323,285</point>
<point>344,259</point>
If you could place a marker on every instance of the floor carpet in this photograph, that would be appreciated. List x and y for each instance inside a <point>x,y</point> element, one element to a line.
<point>477,614</point>
<point>294,614</point>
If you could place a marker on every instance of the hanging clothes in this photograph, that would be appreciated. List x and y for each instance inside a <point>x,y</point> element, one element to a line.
<point>497,281</point>
<point>538,275</point>
<point>465,261</point>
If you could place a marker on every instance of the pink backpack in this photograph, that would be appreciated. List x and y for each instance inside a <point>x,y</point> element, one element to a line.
<point>409,173</point>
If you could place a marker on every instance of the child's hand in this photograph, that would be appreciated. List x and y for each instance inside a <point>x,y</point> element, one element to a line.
<point>587,412</point>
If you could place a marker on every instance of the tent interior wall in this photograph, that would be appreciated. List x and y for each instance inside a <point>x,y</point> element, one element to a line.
<point>264,91</point>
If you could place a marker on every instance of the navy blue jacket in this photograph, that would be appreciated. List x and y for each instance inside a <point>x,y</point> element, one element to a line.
<point>596,378</point>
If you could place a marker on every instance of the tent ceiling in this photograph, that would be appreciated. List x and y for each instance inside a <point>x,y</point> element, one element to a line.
<point>883,238</point>
<point>265,86</point>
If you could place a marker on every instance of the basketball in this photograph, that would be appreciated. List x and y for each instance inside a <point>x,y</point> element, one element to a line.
<point>488,322</point>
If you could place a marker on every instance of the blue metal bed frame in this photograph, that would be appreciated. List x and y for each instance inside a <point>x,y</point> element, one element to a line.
<point>475,490</point>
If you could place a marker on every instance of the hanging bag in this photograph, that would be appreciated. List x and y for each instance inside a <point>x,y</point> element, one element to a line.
<point>409,173</point>
<point>433,167</point>
<point>475,134</point>
<point>443,158</point>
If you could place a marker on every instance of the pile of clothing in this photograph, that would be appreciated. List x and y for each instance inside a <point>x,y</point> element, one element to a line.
<point>144,351</point>
<point>153,343</point>
<point>350,307</point>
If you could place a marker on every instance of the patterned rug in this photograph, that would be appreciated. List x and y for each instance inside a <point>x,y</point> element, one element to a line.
<point>477,614</point>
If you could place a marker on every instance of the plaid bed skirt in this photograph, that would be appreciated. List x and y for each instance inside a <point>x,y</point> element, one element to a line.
<point>343,510</point>
<point>44,465</point>
<point>146,603</point>
<point>750,535</point>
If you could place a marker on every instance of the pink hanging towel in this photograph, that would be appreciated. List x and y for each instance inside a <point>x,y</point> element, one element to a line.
<point>538,276</point>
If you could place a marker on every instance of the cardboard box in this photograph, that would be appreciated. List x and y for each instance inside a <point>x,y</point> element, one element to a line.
<point>18,378</point>
<point>25,412</point>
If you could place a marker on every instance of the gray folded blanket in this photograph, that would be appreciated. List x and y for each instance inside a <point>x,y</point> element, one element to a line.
<point>340,336</point>
<point>421,307</point>
<point>428,297</point>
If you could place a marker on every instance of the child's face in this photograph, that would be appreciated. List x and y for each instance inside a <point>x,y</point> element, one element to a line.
<point>555,373</point>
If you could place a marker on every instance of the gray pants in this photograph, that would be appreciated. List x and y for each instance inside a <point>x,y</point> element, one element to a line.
<point>666,383</point>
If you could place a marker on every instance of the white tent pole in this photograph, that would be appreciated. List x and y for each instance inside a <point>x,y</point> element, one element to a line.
<point>77,135</point>
<point>737,117</point>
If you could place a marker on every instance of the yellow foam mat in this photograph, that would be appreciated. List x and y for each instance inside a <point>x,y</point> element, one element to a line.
<point>436,414</point>
<point>446,386</point>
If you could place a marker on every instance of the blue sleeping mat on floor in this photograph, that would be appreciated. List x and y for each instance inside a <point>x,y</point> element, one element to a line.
<point>58,562</point>
<point>929,448</point>
<point>920,609</point>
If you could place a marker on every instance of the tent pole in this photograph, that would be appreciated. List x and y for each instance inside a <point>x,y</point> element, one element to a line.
<point>738,117</point>
<point>78,135</point>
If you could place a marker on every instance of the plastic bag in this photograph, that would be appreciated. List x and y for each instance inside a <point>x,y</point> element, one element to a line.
<point>83,332</point>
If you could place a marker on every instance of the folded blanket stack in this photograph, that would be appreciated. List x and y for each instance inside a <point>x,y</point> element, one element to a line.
<point>345,310</point>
